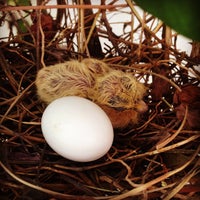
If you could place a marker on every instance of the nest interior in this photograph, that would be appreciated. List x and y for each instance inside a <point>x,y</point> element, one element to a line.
<point>156,159</point>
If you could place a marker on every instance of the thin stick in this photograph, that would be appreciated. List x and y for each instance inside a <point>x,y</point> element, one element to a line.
<point>32,185</point>
<point>41,7</point>
<point>143,187</point>
<point>168,140</point>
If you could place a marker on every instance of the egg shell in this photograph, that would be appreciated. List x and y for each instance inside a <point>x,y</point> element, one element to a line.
<point>77,129</point>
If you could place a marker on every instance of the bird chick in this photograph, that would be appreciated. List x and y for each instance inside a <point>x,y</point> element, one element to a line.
<point>69,78</point>
<point>120,95</point>
<point>63,79</point>
<point>118,89</point>
<point>96,67</point>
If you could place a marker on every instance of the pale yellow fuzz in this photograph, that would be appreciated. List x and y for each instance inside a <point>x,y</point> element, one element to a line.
<point>118,93</point>
<point>64,79</point>
<point>118,89</point>
<point>97,67</point>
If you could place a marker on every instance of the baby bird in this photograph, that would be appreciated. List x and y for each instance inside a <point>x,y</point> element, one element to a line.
<point>118,89</point>
<point>96,67</point>
<point>69,78</point>
<point>64,79</point>
<point>118,93</point>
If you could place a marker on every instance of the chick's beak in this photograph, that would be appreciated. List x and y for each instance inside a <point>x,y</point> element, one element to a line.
<point>141,106</point>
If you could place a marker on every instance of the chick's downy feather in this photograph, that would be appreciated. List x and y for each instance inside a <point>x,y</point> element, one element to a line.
<point>118,89</point>
<point>118,93</point>
<point>64,79</point>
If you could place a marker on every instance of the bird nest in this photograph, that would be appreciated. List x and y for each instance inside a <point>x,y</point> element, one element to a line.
<point>157,158</point>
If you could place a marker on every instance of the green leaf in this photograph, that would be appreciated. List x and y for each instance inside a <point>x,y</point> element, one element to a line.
<point>21,26</point>
<point>19,2</point>
<point>180,15</point>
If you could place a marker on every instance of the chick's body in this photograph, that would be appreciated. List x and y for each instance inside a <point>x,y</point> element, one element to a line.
<point>121,118</point>
<point>118,89</point>
<point>64,79</point>
<point>118,93</point>
<point>96,67</point>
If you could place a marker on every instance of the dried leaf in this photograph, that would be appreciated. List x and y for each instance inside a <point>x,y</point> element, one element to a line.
<point>189,96</point>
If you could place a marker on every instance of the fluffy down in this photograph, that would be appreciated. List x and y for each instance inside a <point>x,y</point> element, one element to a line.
<point>118,89</point>
<point>64,79</point>
<point>118,93</point>
<point>96,67</point>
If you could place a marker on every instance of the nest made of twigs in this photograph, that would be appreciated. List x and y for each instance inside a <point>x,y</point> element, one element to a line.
<point>156,159</point>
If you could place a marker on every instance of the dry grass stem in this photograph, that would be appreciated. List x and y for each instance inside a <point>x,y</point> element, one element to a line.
<point>156,158</point>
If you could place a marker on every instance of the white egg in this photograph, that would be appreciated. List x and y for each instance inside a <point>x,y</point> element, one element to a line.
<point>77,129</point>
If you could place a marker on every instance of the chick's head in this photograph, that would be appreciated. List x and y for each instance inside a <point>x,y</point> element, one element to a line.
<point>120,90</point>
